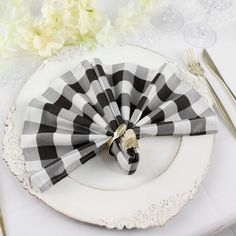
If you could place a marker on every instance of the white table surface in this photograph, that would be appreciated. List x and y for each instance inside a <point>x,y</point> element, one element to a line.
<point>213,207</point>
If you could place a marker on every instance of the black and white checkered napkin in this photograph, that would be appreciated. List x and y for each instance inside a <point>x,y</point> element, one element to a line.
<point>81,110</point>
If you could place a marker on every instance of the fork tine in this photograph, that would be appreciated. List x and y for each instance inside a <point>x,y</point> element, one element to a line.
<point>191,54</point>
<point>194,56</point>
<point>192,59</point>
<point>198,64</point>
<point>189,58</point>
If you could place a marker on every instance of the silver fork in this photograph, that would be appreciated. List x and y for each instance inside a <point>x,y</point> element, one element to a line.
<point>2,227</point>
<point>196,68</point>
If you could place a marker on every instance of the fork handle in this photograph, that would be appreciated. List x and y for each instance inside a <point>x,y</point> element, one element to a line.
<point>221,106</point>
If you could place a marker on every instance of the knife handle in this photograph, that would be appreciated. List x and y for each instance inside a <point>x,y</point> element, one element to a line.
<point>224,84</point>
<point>221,107</point>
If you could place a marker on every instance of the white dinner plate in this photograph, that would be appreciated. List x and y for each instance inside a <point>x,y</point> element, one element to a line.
<point>170,168</point>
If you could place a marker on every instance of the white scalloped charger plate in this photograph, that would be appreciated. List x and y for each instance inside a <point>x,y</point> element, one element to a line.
<point>168,175</point>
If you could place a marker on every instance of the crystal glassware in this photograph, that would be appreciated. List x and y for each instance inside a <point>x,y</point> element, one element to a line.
<point>201,34</point>
<point>169,20</point>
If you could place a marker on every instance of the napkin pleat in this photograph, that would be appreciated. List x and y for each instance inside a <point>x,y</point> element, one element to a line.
<point>106,90</point>
<point>96,95</point>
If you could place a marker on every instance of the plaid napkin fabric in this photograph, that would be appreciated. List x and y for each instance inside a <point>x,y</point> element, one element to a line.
<point>82,109</point>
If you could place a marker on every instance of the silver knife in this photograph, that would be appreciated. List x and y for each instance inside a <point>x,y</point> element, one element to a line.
<point>212,67</point>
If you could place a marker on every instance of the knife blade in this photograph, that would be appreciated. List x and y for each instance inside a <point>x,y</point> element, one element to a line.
<point>211,63</point>
<point>212,67</point>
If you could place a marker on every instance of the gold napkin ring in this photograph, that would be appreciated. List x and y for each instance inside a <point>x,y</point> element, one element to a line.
<point>118,133</point>
<point>128,140</point>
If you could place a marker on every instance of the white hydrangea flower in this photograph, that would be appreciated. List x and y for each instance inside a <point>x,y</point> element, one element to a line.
<point>133,16</point>
<point>63,22</point>
<point>12,14</point>
<point>107,34</point>
<point>39,37</point>
<point>148,4</point>
<point>55,12</point>
<point>127,18</point>
<point>77,20</point>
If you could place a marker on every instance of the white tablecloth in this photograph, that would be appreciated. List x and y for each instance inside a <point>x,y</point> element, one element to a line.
<point>213,207</point>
